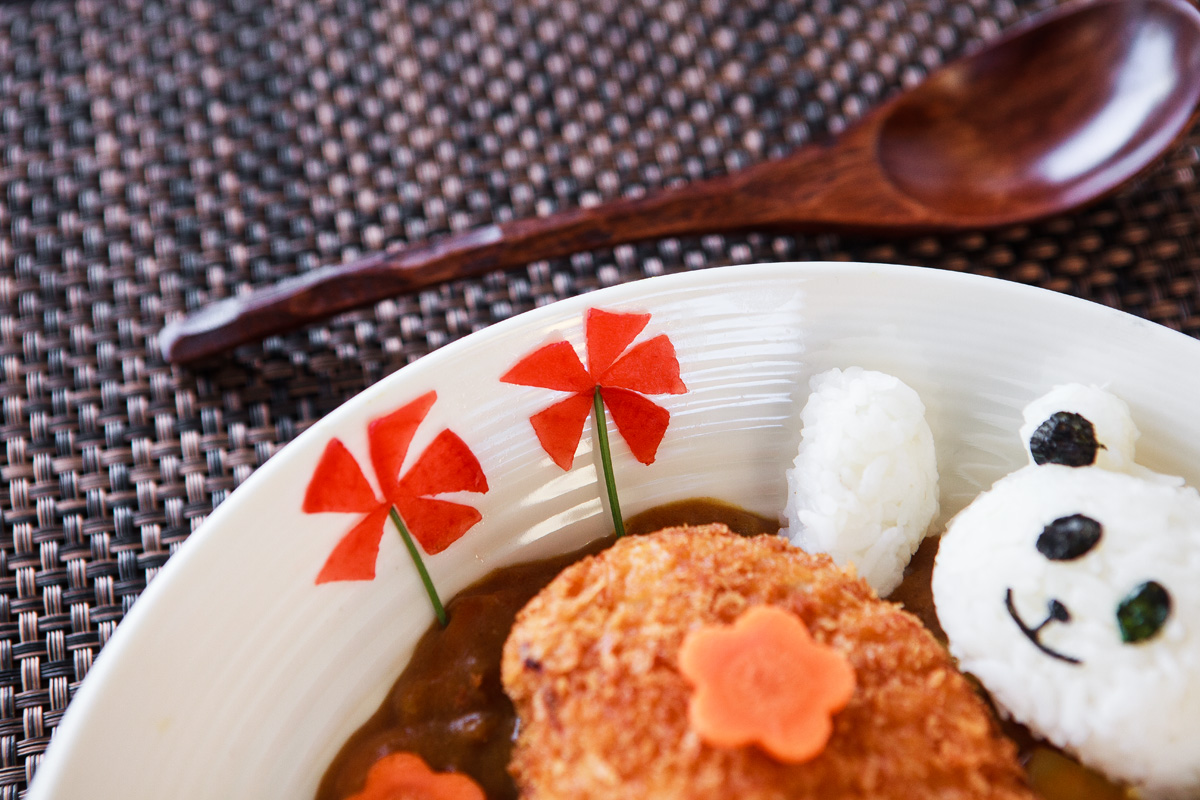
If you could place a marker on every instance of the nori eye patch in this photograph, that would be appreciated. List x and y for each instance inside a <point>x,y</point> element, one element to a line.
<point>1143,612</point>
<point>1068,538</point>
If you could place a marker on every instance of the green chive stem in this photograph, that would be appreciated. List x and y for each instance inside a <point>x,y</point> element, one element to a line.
<point>434,600</point>
<point>610,482</point>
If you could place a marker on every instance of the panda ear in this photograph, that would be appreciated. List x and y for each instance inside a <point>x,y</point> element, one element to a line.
<point>1065,438</point>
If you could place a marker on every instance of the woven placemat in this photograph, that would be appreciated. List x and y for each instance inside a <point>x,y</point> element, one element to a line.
<point>158,154</point>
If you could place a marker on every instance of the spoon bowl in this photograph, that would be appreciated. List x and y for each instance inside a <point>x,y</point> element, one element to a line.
<point>1053,115</point>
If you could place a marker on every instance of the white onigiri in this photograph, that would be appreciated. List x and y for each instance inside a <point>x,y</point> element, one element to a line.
<point>1072,595</point>
<point>864,486</point>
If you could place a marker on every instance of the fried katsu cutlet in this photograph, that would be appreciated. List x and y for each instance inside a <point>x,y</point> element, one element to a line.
<point>591,666</point>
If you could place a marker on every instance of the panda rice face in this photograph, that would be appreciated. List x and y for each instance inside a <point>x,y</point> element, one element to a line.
<point>1073,594</point>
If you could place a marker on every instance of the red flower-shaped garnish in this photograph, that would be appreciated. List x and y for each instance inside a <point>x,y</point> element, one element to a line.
<point>764,680</point>
<point>406,776</point>
<point>647,368</point>
<point>339,485</point>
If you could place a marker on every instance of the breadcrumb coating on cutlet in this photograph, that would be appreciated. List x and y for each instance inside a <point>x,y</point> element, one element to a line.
<point>591,667</point>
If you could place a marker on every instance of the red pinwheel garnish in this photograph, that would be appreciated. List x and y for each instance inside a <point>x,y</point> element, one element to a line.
<point>621,373</point>
<point>339,485</point>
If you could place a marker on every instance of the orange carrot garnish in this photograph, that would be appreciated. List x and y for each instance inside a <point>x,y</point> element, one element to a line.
<point>405,776</point>
<point>765,681</point>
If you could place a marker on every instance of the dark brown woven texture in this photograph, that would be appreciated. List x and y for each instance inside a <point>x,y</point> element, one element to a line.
<point>161,153</point>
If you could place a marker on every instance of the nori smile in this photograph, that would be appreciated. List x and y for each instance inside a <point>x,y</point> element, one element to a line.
<point>1058,613</point>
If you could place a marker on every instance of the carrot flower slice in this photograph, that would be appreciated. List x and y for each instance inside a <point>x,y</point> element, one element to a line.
<point>338,484</point>
<point>764,680</point>
<point>405,776</point>
<point>622,374</point>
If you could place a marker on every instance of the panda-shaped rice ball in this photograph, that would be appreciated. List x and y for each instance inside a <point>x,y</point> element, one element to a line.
<point>1073,594</point>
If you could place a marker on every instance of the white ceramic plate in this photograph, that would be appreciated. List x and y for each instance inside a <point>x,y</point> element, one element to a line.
<point>237,676</point>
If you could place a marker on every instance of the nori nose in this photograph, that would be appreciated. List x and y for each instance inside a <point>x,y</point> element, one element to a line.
<point>1068,538</point>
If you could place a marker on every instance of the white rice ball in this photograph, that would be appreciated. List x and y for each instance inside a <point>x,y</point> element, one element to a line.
<point>864,486</point>
<point>1031,598</point>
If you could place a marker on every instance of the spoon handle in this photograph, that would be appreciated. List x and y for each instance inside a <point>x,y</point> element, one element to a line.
<point>762,196</point>
<point>705,205</point>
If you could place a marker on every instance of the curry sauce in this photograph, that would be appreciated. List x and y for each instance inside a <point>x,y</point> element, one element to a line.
<point>448,705</point>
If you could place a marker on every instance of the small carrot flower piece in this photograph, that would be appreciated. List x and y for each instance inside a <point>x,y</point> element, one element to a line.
<point>406,776</point>
<point>764,680</point>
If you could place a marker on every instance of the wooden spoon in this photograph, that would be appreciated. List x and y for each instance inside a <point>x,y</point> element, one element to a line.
<point>1057,113</point>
